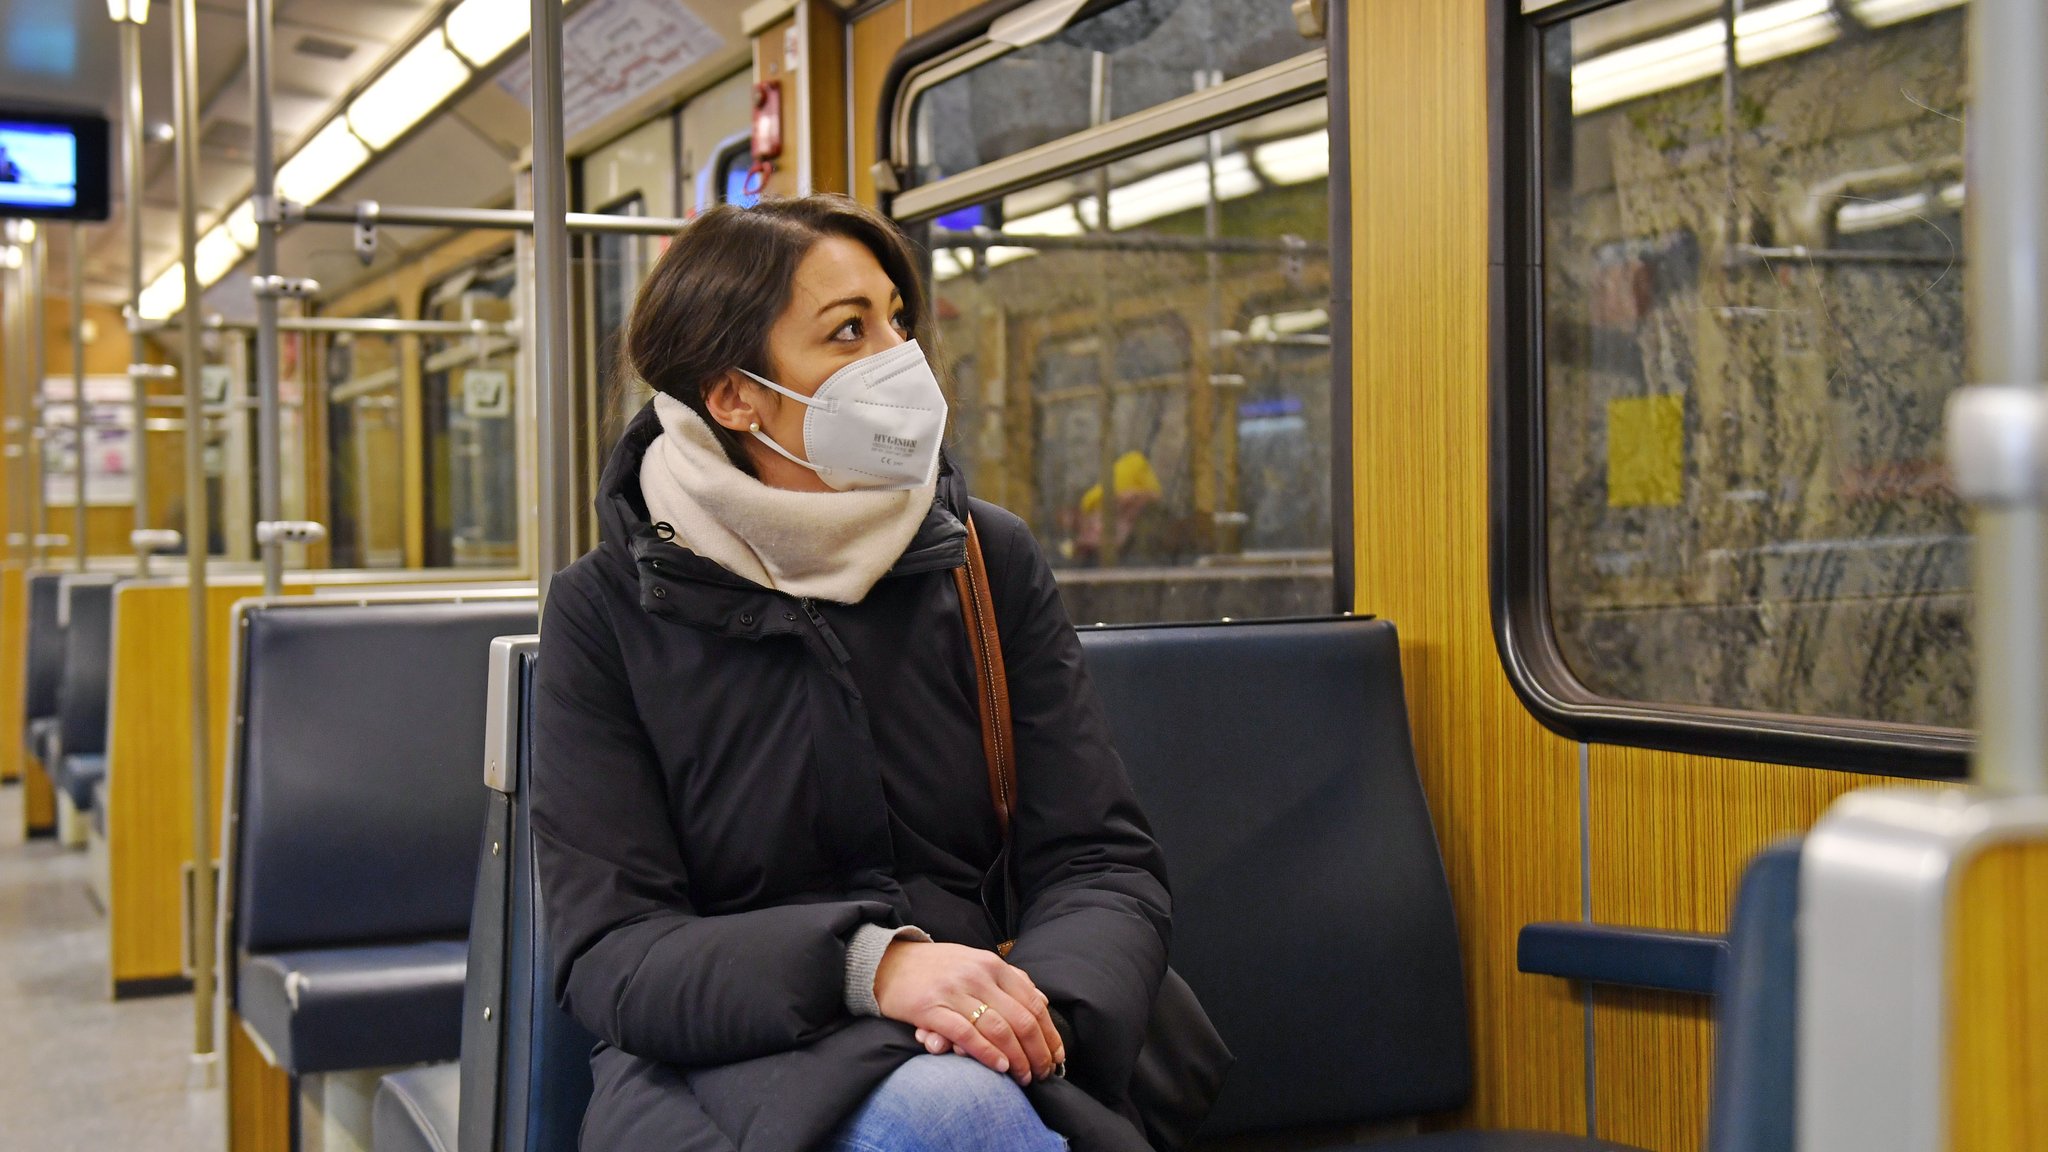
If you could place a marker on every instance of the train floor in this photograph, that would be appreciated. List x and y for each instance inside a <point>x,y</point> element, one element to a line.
<point>79,1071</point>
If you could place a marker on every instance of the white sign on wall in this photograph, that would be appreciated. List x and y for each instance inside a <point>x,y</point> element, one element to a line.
<point>486,393</point>
<point>613,53</point>
<point>109,442</point>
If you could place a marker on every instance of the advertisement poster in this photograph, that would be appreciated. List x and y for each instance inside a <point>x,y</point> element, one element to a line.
<point>109,442</point>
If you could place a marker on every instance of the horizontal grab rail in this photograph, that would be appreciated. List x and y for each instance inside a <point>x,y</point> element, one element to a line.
<point>1632,957</point>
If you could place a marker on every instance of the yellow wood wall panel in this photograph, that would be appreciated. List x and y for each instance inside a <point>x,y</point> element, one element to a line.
<point>38,800</point>
<point>1669,835</point>
<point>259,1096</point>
<point>829,114</point>
<point>149,766</point>
<point>106,530</point>
<point>926,15</point>
<point>1655,1053</point>
<point>875,39</point>
<point>1998,997</point>
<point>1504,790</point>
<point>13,666</point>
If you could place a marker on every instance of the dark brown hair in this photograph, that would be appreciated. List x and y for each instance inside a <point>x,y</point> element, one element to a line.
<point>707,306</point>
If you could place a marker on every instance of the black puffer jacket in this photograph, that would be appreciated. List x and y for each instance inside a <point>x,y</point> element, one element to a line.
<point>727,781</point>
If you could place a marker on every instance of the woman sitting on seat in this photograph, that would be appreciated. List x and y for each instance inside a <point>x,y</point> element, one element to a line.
<point>772,864</point>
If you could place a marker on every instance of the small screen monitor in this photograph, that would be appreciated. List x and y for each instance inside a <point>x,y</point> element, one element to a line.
<point>53,165</point>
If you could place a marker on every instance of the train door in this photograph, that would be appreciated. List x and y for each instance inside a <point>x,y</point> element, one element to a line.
<point>366,443</point>
<point>470,390</point>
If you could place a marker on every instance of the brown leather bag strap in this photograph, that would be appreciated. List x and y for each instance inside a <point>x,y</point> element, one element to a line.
<point>978,608</point>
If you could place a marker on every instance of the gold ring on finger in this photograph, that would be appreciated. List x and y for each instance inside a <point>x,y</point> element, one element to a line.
<point>977,1013</point>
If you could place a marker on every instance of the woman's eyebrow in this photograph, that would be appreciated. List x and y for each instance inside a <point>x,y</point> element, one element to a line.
<point>861,302</point>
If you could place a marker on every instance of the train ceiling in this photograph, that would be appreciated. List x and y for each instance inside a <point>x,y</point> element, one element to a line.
<point>66,53</point>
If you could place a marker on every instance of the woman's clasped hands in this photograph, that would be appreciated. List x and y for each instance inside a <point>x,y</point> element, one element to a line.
<point>970,1001</point>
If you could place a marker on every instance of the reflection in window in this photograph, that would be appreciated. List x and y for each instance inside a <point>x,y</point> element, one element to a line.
<point>1750,329</point>
<point>616,265</point>
<point>1150,385</point>
<point>365,446</point>
<point>472,450</point>
<point>737,183</point>
<point>1130,57</point>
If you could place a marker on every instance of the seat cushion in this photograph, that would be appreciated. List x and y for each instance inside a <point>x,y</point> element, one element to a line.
<point>416,1110</point>
<point>78,776</point>
<point>332,1009</point>
<point>1495,1142</point>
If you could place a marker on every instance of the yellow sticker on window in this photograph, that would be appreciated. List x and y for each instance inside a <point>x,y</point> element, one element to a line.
<point>1645,451</point>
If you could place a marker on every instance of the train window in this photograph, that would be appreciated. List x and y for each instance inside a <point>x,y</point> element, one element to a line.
<point>1149,386</point>
<point>971,110</point>
<point>1748,317</point>
<point>736,183</point>
<point>366,451</point>
<point>470,388</point>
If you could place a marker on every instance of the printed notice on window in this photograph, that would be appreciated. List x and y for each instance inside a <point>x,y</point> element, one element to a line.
<point>613,53</point>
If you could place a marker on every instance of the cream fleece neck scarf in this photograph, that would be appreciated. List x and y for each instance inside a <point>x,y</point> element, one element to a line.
<point>825,545</point>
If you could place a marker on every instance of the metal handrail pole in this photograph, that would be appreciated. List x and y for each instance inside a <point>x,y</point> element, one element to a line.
<point>364,326</point>
<point>555,547</point>
<point>79,455</point>
<point>138,348</point>
<point>185,70</point>
<point>38,400</point>
<point>2007,292</point>
<point>269,473</point>
<point>507,219</point>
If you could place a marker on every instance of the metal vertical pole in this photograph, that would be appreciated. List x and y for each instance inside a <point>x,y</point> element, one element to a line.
<point>185,68</point>
<point>131,178</point>
<point>269,477</point>
<point>555,547</point>
<point>20,431</point>
<point>38,372</point>
<point>78,421</point>
<point>2007,289</point>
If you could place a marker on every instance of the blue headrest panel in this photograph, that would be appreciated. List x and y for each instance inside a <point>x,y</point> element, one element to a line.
<point>45,646</point>
<point>360,774</point>
<point>1755,1036</point>
<point>88,658</point>
<point>1311,913</point>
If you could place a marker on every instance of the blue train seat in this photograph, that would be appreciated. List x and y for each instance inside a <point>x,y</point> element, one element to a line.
<point>1757,1009</point>
<point>524,1077</point>
<point>1266,754</point>
<point>78,754</point>
<point>356,809</point>
<point>44,667</point>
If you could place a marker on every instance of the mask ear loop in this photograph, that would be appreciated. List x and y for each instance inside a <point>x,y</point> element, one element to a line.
<point>827,404</point>
<point>785,453</point>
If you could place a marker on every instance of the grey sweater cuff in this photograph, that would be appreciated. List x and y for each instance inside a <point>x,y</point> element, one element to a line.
<point>864,955</point>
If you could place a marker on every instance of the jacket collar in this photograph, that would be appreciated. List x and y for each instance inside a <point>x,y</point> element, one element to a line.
<point>707,594</point>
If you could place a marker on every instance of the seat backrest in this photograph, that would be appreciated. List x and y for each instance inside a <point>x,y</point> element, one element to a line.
<point>355,788</point>
<point>1311,913</point>
<point>1756,1011</point>
<point>45,646</point>
<point>88,611</point>
<point>524,1086</point>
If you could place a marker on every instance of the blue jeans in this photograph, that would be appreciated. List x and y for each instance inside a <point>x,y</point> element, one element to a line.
<point>946,1103</point>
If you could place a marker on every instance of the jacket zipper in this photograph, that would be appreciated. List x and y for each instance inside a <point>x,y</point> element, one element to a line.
<point>830,637</point>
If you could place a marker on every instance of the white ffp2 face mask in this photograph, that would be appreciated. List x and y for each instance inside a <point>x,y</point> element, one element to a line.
<point>874,424</point>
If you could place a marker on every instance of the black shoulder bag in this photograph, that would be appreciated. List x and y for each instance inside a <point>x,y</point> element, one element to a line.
<point>1181,1065</point>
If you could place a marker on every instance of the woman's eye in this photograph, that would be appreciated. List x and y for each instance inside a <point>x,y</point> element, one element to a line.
<point>848,331</point>
<point>902,322</point>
